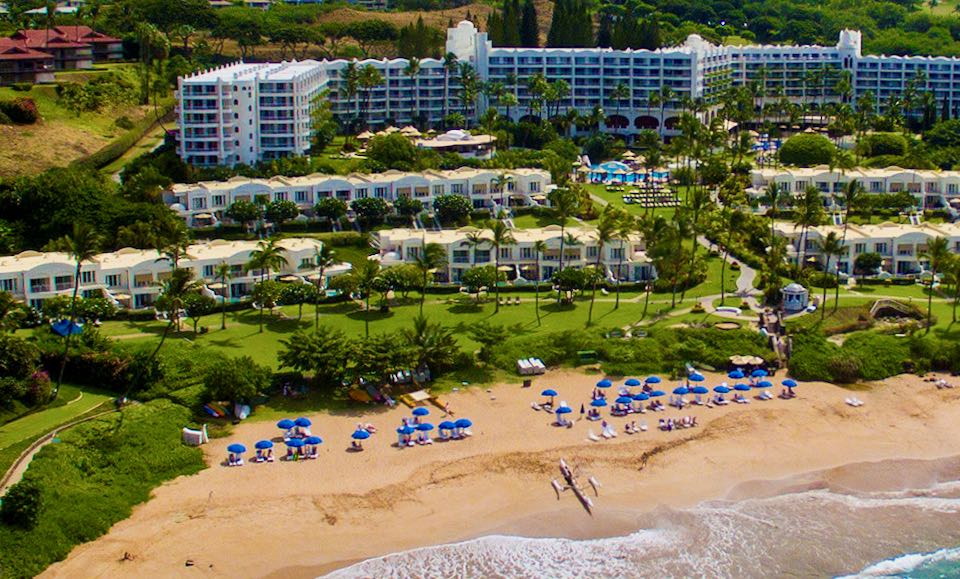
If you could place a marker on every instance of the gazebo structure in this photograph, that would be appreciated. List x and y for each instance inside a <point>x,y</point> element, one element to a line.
<point>795,298</point>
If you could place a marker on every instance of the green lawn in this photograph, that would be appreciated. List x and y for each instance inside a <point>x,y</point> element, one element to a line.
<point>615,198</point>
<point>38,423</point>
<point>149,141</point>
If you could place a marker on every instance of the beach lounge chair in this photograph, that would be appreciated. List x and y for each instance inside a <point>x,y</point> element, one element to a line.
<point>593,436</point>
<point>643,426</point>
<point>535,406</point>
<point>516,301</point>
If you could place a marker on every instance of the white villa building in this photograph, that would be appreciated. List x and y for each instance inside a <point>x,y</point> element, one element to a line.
<point>248,112</point>
<point>900,246</point>
<point>932,189</point>
<point>205,202</point>
<point>398,246</point>
<point>132,278</point>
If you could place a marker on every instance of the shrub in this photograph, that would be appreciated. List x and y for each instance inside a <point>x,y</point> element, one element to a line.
<point>39,388</point>
<point>810,359</point>
<point>22,505</point>
<point>22,110</point>
<point>124,122</point>
<point>844,369</point>
<point>18,358</point>
<point>22,86</point>
<point>806,150</point>
<point>877,144</point>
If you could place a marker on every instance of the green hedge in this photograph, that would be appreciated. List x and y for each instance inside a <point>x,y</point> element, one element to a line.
<point>116,148</point>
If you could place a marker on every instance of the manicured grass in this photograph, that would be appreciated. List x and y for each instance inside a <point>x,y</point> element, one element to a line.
<point>149,141</point>
<point>43,421</point>
<point>615,198</point>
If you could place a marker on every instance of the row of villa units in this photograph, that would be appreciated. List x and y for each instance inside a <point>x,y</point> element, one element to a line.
<point>204,203</point>
<point>625,260</point>
<point>244,113</point>
<point>900,246</point>
<point>132,278</point>
<point>932,189</point>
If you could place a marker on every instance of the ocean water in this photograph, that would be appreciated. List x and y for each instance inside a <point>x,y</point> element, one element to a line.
<point>889,519</point>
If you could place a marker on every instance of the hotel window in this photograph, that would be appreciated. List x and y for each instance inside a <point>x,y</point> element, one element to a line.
<point>481,255</point>
<point>88,277</point>
<point>360,193</point>
<point>219,201</point>
<point>437,190</point>
<point>280,196</point>
<point>592,252</point>
<point>380,192</point>
<point>412,253</point>
<point>859,247</point>
<point>880,248</point>
<point>199,203</point>
<point>208,271</point>
<point>616,253</point>
<point>506,252</point>
<point>456,188</point>
<point>307,263</point>
<point>526,253</point>
<point>113,280</point>
<point>8,285</point>
<point>300,196</point>
<point>534,186</point>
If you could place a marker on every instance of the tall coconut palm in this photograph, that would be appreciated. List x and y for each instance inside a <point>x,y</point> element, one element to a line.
<point>625,229</point>
<point>350,85</point>
<point>954,266</point>
<point>619,94</point>
<point>173,293</point>
<point>851,196</point>
<point>501,183</point>
<point>539,248</point>
<point>432,257</point>
<point>223,271</point>
<point>699,199</point>
<point>81,247</point>
<point>773,197</point>
<point>607,227</point>
<point>324,258</point>
<point>450,65</point>
<point>369,79</point>
<point>731,213</point>
<point>501,236</point>
<point>412,70</point>
<point>366,274</point>
<point>810,214</point>
<point>938,255</point>
<point>829,247</point>
<point>268,255</point>
<point>565,203</point>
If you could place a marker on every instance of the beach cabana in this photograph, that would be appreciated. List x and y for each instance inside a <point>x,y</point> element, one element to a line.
<point>286,424</point>
<point>235,450</point>
<point>699,390</point>
<point>657,393</point>
<point>462,425</point>
<point>561,421</point>
<point>303,421</point>
<point>551,393</point>
<point>445,428</point>
<point>358,437</point>
<point>293,448</point>
<point>790,383</point>
<point>261,446</point>
<point>423,429</point>
<point>681,391</point>
<point>403,435</point>
<point>695,377</point>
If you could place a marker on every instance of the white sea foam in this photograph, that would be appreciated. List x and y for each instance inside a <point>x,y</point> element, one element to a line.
<point>899,566</point>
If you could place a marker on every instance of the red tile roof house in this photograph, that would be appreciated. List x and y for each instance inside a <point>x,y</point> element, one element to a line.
<point>72,47</point>
<point>105,48</point>
<point>19,64</point>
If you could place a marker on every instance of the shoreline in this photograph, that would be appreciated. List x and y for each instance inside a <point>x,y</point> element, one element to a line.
<point>357,506</point>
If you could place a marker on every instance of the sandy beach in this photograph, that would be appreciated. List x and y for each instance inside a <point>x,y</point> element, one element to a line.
<point>303,519</point>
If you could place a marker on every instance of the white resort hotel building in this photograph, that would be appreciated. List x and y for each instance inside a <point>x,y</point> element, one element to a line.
<point>626,260</point>
<point>900,246</point>
<point>242,113</point>
<point>132,278</point>
<point>204,203</point>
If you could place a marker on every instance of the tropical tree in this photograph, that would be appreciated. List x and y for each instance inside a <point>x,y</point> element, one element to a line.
<point>412,70</point>
<point>434,346</point>
<point>619,94</point>
<point>324,257</point>
<point>501,236</point>
<point>366,276</point>
<point>565,202</point>
<point>809,214</point>
<point>266,257</point>
<point>369,79</point>
<point>350,85</point>
<point>773,196</point>
<point>829,247</point>
<point>851,196</point>
<point>81,246</point>
<point>625,229</point>
<point>432,257</point>
<point>222,271</point>
<point>938,255</point>
<point>450,65</point>
<point>607,227</point>
<point>172,299</point>
<point>699,199</point>
<point>539,248</point>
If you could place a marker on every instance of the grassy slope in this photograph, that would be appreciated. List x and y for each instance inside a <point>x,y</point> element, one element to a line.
<point>62,136</point>
<point>43,421</point>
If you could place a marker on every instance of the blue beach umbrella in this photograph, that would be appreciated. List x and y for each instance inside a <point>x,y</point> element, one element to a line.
<point>237,448</point>
<point>696,377</point>
<point>722,390</point>
<point>657,393</point>
<point>764,384</point>
<point>758,373</point>
<point>736,374</point>
<point>361,435</point>
<point>632,382</point>
<point>302,422</point>
<point>790,383</point>
<point>313,440</point>
<point>447,425</point>
<point>295,442</point>
<point>421,411</point>
<point>407,430</point>
<point>652,380</point>
<point>741,388</point>
<point>604,383</point>
<point>264,445</point>
<point>599,402</point>
<point>625,400</point>
<point>681,390</point>
<point>425,427</point>
<point>549,392</point>
<point>699,390</point>
<point>465,422</point>
<point>286,424</point>
<point>641,397</point>
<point>561,410</point>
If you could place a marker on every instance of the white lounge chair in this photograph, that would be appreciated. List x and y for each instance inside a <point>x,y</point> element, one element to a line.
<point>535,406</point>
<point>643,426</point>
<point>593,436</point>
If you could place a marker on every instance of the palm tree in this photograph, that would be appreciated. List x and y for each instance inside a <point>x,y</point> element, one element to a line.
<point>501,183</point>
<point>173,292</point>
<point>539,248</point>
<point>366,274</point>
<point>773,197</point>
<point>938,254</point>
<point>955,273</point>
<point>810,208</point>
<point>565,203</point>
<point>324,257</point>
<point>619,94</point>
<point>501,236</point>
<point>369,79</point>
<point>731,212</point>
<point>850,196</point>
<point>624,230</point>
<point>449,65</point>
<point>699,200</point>
<point>81,246</point>
<point>266,257</point>
<point>432,257</point>
<point>508,101</point>
<point>412,70</point>
<point>350,85</point>
<point>829,247</point>
<point>607,228</point>
<point>222,272</point>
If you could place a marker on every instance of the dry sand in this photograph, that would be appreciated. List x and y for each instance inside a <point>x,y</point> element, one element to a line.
<point>305,518</point>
